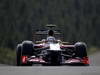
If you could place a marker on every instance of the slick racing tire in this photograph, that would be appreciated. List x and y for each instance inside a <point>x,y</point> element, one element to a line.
<point>80,50</point>
<point>27,50</point>
<point>18,54</point>
<point>81,53</point>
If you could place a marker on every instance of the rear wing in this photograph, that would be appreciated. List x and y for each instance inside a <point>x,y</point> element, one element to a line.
<point>43,33</point>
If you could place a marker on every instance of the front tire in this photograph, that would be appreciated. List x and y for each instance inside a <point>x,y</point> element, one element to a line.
<point>18,54</point>
<point>81,52</point>
<point>27,50</point>
<point>81,49</point>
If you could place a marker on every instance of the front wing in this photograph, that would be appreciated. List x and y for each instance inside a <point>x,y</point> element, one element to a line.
<point>71,61</point>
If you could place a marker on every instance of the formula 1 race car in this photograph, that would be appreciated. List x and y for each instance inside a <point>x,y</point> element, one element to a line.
<point>51,51</point>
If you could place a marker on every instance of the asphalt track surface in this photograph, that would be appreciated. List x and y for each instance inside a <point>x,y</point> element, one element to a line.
<point>93,69</point>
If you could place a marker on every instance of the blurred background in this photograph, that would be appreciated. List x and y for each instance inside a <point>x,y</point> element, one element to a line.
<point>79,20</point>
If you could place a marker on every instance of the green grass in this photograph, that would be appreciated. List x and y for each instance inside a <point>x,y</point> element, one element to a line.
<point>92,50</point>
<point>7,56</point>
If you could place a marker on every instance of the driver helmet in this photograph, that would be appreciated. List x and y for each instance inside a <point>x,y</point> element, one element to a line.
<point>50,33</point>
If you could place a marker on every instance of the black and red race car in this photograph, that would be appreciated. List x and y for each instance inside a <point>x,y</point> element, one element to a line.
<point>51,51</point>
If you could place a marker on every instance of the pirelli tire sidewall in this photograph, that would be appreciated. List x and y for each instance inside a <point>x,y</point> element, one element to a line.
<point>27,48</point>
<point>81,49</point>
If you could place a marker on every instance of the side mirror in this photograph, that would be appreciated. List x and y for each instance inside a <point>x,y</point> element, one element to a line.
<point>38,42</point>
<point>65,43</point>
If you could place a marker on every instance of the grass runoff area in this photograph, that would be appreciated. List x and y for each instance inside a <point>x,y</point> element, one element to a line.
<point>8,56</point>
